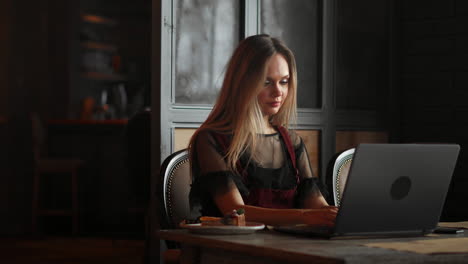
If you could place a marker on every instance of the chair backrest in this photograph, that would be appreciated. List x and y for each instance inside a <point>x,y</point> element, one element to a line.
<point>340,173</point>
<point>175,188</point>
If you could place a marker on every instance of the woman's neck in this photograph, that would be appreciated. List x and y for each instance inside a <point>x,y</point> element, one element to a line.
<point>269,128</point>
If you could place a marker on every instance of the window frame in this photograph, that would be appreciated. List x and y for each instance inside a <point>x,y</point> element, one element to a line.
<point>326,119</point>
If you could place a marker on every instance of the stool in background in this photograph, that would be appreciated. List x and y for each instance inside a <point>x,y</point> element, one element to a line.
<point>44,165</point>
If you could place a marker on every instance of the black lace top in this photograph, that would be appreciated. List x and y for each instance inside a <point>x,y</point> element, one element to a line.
<point>271,169</point>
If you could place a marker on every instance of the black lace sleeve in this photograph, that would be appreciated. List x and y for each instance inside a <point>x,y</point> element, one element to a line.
<point>309,187</point>
<point>309,184</point>
<point>205,187</point>
<point>302,156</point>
<point>211,176</point>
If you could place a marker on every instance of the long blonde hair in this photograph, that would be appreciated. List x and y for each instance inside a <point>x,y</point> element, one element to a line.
<point>237,110</point>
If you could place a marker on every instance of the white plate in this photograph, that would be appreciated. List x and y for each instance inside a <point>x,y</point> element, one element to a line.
<point>249,228</point>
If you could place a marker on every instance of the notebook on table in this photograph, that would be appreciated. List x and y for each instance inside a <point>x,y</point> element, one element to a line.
<point>391,190</point>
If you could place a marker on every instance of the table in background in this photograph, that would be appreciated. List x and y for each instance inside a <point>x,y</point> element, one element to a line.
<point>273,247</point>
<point>106,187</point>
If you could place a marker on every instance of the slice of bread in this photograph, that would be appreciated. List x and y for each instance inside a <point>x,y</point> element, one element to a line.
<point>210,220</point>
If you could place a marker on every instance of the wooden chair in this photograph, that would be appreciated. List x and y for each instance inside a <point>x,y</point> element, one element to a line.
<point>44,165</point>
<point>174,191</point>
<point>341,167</point>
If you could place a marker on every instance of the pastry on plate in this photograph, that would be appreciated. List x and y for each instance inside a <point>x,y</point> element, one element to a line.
<point>235,218</point>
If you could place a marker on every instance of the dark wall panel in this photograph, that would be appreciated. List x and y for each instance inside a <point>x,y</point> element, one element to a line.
<point>433,84</point>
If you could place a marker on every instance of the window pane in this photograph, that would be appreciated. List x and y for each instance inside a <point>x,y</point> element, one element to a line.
<point>206,33</point>
<point>362,54</point>
<point>297,24</point>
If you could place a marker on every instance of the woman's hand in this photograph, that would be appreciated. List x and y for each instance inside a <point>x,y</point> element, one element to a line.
<point>324,216</point>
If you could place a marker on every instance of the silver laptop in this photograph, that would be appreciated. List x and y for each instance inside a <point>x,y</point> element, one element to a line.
<point>392,190</point>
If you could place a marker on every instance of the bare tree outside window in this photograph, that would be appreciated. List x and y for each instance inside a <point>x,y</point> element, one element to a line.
<point>206,33</point>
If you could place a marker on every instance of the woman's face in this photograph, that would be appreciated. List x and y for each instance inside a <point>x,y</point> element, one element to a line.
<point>276,85</point>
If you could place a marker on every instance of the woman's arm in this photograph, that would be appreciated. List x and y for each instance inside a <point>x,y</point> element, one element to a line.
<point>232,199</point>
<point>315,201</point>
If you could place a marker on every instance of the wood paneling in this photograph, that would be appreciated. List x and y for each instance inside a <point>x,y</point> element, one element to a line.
<point>350,139</point>
<point>182,137</point>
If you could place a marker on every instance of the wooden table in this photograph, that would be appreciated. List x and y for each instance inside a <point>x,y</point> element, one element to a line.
<point>272,247</point>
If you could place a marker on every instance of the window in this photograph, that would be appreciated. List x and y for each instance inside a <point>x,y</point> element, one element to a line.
<point>298,24</point>
<point>206,33</point>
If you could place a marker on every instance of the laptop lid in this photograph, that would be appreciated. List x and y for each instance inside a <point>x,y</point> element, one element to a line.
<point>396,189</point>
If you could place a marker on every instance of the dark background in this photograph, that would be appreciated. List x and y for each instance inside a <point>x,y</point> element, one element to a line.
<point>41,71</point>
<point>38,72</point>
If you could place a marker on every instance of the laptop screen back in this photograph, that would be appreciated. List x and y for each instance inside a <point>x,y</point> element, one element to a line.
<point>397,188</point>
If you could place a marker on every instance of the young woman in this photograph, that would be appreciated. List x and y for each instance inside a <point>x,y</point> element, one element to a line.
<point>243,155</point>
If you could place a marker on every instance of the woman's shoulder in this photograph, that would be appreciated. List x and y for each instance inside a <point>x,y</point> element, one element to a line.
<point>210,136</point>
<point>295,138</point>
<point>207,132</point>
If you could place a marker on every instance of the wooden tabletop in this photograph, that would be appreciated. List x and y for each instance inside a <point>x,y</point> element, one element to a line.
<point>268,246</point>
